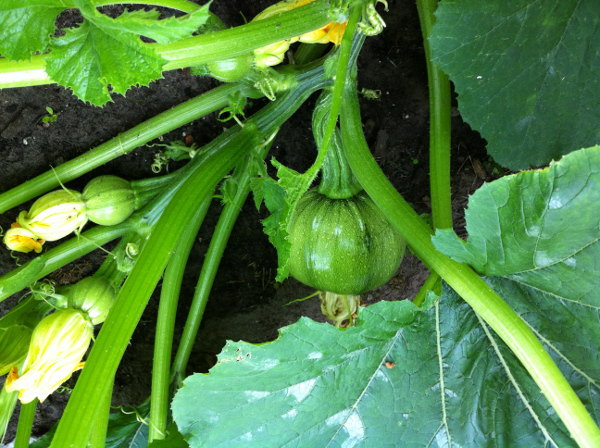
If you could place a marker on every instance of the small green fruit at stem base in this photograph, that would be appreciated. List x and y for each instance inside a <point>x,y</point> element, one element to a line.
<point>92,295</point>
<point>344,246</point>
<point>231,70</point>
<point>109,200</point>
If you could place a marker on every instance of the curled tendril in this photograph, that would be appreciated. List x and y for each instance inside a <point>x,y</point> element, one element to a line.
<point>159,161</point>
<point>132,250</point>
<point>372,23</point>
<point>268,86</point>
<point>139,418</point>
<point>46,290</point>
<point>15,257</point>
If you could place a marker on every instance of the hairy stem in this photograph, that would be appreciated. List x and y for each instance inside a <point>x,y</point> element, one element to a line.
<point>439,125</point>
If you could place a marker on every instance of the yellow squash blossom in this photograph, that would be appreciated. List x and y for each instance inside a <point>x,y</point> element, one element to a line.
<point>22,240</point>
<point>58,344</point>
<point>55,215</point>
<point>273,54</point>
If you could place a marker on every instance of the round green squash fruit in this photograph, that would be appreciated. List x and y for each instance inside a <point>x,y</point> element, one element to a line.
<point>344,246</point>
<point>109,200</point>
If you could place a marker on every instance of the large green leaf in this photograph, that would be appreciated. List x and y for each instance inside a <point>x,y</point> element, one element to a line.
<point>527,74</point>
<point>442,379</point>
<point>538,228</point>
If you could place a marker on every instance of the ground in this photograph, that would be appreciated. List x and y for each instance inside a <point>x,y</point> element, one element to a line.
<point>246,303</point>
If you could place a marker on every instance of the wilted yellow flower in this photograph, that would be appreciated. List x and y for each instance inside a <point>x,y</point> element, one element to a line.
<point>22,240</point>
<point>55,215</point>
<point>273,54</point>
<point>57,346</point>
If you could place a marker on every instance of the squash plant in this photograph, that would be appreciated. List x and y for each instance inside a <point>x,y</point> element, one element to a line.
<point>504,353</point>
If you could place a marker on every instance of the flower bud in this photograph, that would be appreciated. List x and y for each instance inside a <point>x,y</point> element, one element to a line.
<point>22,240</point>
<point>55,215</point>
<point>92,295</point>
<point>58,344</point>
<point>109,200</point>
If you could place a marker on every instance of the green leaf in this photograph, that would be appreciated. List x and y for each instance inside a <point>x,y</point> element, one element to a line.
<point>275,226</point>
<point>314,384</point>
<point>146,23</point>
<point>490,400</point>
<point>87,59</point>
<point>538,228</point>
<point>104,51</point>
<point>526,73</point>
<point>174,439</point>
<point>26,28</point>
<point>280,198</point>
<point>401,377</point>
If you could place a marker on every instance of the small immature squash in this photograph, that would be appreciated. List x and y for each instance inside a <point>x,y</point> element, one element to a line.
<point>92,295</point>
<point>109,200</point>
<point>344,246</point>
<point>231,70</point>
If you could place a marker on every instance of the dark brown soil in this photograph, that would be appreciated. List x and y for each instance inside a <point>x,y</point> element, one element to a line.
<point>245,303</point>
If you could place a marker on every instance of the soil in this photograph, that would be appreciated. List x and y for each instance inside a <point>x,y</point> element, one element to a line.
<point>246,303</point>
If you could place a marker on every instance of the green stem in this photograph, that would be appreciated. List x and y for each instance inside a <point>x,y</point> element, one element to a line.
<point>433,283</point>
<point>55,258</point>
<point>439,125</point>
<point>25,424</point>
<point>120,145</point>
<point>145,190</point>
<point>466,282</point>
<point>210,266</point>
<point>165,325</point>
<point>309,52</point>
<point>98,435</point>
